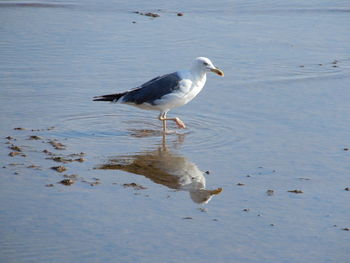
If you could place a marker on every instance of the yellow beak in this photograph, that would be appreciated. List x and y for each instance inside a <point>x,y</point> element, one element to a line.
<point>218,71</point>
<point>216,191</point>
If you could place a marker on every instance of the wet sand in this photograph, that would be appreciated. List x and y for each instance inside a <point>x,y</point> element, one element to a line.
<point>259,175</point>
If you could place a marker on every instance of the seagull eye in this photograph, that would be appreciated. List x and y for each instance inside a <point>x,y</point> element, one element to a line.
<point>205,64</point>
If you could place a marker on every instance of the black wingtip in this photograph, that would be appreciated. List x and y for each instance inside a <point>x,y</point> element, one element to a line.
<point>109,97</point>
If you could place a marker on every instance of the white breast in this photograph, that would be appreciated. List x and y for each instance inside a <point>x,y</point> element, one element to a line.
<point>189,88</point>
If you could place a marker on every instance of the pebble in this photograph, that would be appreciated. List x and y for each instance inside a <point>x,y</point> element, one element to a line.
<point>59,169</point>
<point>67,182</point>
<point>270,192</point>
<point>34,137</point>
<point>147,14</point>
<point>296,191</point>
<point>12,154</point>
<point>15,148</point>
<point>57,145</point>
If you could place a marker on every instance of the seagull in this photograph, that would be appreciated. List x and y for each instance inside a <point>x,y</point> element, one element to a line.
<point>168,91</point>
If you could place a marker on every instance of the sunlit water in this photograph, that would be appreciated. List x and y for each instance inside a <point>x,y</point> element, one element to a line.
<point>278,120</point>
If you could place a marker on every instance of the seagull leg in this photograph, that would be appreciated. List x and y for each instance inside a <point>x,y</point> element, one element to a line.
<point>178,122</point>
<point>162,117</point>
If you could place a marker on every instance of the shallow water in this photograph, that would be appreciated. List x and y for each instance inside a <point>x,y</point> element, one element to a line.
<point>277,121</point>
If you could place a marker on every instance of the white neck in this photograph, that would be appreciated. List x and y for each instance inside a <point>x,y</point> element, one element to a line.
<point>197,73</point>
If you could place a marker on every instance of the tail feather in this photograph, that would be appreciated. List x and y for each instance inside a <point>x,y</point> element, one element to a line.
<point>109,97</point>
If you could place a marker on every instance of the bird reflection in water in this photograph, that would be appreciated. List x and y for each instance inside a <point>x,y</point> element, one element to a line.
<point>165,167</point>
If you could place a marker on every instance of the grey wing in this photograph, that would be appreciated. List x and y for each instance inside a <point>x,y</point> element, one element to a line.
<point>153,90</point>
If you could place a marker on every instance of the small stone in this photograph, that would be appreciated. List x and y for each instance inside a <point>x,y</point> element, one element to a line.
<point>296,191</point>
<point>59,169</point>
<point>207,172</point>
<point>187,217</point>
<point>60,159</point>
<point>49,185</point>
<point>47,152</point>
<point>180,14</point>
<point>19,129</point>
<point>15,148</point>
<point>152,14</point>
<point>347,189</point>
<point>34,137</point>
<point>9,138</point>
<point>240,184</point>
<point>57,145</point>
<point>67,182</point>
<point>346,149</point>
<point>80,160</point>
<point>12,154</point>
<point>147,14</point>
<point>246,209</point>
<point>204,210</point>
<point>346,229</point>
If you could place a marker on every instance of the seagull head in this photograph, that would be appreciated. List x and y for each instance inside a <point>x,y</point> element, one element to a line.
<point>203,64</point>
